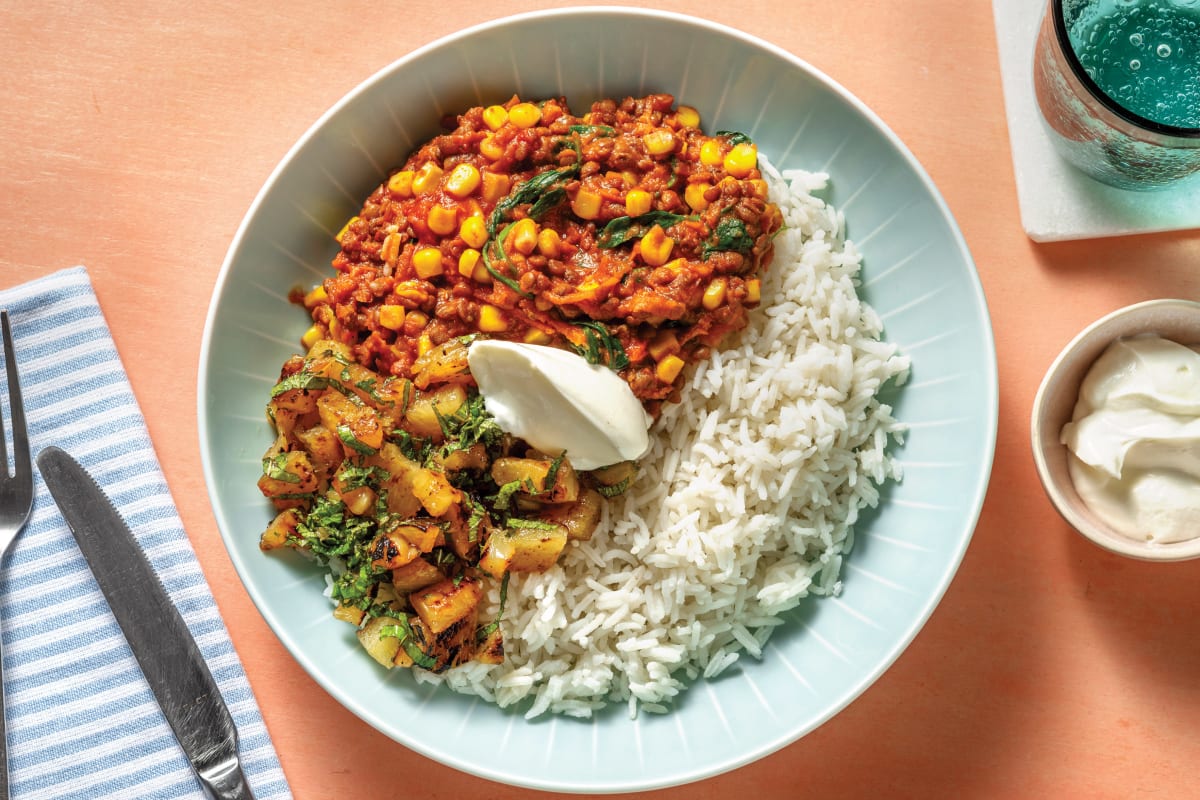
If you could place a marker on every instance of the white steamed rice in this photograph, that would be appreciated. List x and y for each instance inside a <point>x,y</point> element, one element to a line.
<point>744,505</point>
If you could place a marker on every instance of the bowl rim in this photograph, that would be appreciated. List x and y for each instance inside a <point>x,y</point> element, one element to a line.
<point>1060,493</point>
<point>972,508</point>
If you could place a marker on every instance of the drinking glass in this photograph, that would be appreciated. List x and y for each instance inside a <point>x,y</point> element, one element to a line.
<point>1118,86</point>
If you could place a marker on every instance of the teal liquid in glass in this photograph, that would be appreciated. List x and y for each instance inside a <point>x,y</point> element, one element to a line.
<point>1145,55</point>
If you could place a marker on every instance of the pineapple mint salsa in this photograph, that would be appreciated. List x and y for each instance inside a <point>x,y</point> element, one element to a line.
<point>491,517</point>
<point>425,497</point>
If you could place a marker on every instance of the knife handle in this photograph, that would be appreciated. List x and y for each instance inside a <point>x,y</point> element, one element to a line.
<point>227,782</point>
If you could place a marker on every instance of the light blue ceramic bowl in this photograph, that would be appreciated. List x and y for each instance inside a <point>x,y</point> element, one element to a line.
<point>918,274</point>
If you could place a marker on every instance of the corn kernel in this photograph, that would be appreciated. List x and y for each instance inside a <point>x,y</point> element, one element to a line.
<point>441,220</point>
<point>427,262</point>
<point>492,149</point>
<point>464,179</point>
<point>693,195</point>
<point>495,185</point>
<point>753,290</point>
<point>311,337</point>
<point>481,274</point>
<point>549,243</point>
<point>495,117</point>
<point>630,178</point>
<point>760,188</point>
<point>714,294</point>
<point>688,117</point>
<point>389,251</point>
<point>668,369</point>
<point>391,317</point>
<point>467,262</point>
<point>659,143</point>
<point>427,178</point>
<point>710,153</point>
<point>524,115</point>
<point>342,233</point>
<point>473,231</point>
<point>664,343</point>
<point>741,160</point>
<point>638,202</point>
<point>535,336</point>
<point>656,246</point>
<point>492,319</point>
<point>424,344</point>
<point>316,296</point>
<point>400,184</point>
<point>524,236</point>
<point>586,204</point>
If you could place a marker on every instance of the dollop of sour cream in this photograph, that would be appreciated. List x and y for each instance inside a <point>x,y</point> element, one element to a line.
<point>1135,437</point>
<point>556,401</point>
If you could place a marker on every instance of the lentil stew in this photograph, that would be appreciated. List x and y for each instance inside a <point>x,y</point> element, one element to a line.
<point>626,234</point>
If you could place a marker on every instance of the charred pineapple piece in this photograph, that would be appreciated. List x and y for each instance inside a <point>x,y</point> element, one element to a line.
<point>533,474</point>
<point>579,518</point>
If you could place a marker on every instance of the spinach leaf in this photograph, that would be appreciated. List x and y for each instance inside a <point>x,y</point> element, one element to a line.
<point>497,245</point>
<point>600,346</point>
<point>547,201</point>
<point>529,192</point>
<point>730,234</point>
<point>735,137</point>
<point>623,229</point>
<point>598,130</point>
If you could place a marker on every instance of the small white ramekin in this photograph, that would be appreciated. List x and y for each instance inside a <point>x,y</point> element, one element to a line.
<point>1178,320</point>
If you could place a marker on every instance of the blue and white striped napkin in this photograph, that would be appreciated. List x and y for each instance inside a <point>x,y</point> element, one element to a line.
<point>82,722</point>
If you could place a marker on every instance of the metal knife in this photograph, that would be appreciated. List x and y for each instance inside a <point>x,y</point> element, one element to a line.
<point>161,642</point>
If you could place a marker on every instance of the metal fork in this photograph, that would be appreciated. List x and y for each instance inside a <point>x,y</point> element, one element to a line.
<point>16,501</point>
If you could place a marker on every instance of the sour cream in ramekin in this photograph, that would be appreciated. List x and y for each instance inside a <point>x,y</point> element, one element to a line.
<point>1135,439</point>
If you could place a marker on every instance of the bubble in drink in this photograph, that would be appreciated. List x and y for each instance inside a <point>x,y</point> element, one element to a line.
<point>1136,52</point>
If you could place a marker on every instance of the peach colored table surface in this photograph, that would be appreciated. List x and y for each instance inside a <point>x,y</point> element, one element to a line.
<point>134,136</point>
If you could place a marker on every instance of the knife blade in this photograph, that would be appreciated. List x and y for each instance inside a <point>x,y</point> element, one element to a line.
<point>160,640</point>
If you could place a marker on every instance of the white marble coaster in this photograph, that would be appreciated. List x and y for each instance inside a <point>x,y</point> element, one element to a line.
<point>1057,201</point>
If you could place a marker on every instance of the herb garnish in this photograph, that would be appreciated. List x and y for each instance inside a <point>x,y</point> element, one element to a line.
<point>353,442</point>
<point>275,468</point>
<point>491,627</point>
<point>615,489</point>
<point>353,476</point>
<point>300,380</point>
<point>504,496</point>
<point>404,632</point>
<point>535,524</point>
<point>469,425</point>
